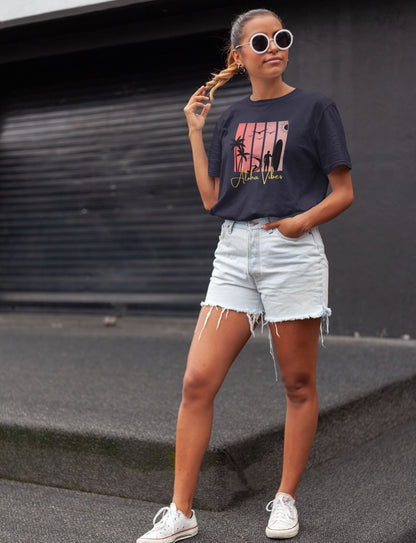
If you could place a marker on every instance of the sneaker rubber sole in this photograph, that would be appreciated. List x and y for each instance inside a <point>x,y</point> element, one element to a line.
<point>173,538</point>
<point>282,534</point>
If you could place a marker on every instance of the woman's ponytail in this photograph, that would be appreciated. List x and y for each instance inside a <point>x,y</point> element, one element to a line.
<point>223,76</point>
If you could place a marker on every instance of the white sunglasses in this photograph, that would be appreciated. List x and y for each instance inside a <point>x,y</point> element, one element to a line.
<point>260,42</point>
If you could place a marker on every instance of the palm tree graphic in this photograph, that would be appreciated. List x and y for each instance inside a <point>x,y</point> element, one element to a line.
<point>243,155</point>
<point>239,151</point>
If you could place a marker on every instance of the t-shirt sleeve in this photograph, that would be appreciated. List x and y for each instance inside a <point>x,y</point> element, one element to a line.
<point>330,140</point>
<point>214,158</point>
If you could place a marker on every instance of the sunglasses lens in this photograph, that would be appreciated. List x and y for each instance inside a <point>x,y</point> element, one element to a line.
<point>283,39</point>
<point>260,43</point>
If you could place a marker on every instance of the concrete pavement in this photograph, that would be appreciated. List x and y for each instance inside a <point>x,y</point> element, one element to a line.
<point>92,408</point>
<point>365,496</point>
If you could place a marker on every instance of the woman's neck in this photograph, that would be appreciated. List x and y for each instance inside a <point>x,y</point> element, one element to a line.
<point>266,90</point>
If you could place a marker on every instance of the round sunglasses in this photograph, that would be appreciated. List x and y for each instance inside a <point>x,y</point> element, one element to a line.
<point>260,42</point>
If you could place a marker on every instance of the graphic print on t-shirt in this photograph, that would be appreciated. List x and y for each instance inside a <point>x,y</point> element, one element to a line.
<point>259,149</point>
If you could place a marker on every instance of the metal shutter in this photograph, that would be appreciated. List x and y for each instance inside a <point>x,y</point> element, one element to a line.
<point>98,202</point>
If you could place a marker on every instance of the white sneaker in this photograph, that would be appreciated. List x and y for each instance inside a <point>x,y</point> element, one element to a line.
<point>283,522</point>
<point>173,526</point>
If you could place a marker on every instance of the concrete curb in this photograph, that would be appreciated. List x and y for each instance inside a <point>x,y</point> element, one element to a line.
<point>362,395</point>
<point>143,470</point>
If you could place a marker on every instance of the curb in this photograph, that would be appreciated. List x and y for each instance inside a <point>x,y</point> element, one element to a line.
<point>131,468</point>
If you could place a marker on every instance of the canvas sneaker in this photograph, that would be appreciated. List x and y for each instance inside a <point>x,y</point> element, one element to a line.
<point>283,521</point>
<point>170,525</point>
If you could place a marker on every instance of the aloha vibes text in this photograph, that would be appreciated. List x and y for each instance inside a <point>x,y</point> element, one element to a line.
<point>249,175</point>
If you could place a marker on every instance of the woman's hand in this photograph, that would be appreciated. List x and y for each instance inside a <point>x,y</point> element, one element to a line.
<point>291,227</point>
<point>196,121</point>
<point>336,202</point>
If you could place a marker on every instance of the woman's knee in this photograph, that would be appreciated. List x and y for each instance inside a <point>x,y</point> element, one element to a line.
<point>196,387</point>
<point>300,388</point>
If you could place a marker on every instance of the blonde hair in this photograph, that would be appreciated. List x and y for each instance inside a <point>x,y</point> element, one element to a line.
<point>232,68</point>
<point>223,76</point>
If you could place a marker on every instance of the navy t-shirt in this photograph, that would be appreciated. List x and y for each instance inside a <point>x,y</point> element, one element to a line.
<point>273,156</point>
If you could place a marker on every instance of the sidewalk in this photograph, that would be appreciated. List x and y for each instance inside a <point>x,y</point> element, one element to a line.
<point>366,496</point>
<point>93,408</point>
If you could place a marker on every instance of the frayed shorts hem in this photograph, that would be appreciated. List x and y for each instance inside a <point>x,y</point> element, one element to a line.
<point>323,313</point>
<point>254,317</point>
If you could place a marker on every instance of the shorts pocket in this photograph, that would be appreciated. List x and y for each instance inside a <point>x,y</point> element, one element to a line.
<point>286,238</point>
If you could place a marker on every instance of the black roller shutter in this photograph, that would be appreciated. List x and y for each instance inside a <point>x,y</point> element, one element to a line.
<point>98,202</point>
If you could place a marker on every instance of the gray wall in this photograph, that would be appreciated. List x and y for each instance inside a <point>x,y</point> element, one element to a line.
<point>362,55</point>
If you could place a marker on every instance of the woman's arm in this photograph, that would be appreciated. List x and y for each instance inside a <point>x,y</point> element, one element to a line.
<point>340,198</point>
<point>208,186</point>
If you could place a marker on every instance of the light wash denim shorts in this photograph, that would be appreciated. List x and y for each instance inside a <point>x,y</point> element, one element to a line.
<point>267,275</point>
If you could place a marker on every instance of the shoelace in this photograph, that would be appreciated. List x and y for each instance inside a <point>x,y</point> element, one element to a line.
<point>278,508</point>
<point>164,512</point>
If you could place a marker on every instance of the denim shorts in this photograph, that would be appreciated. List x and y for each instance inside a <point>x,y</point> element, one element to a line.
<point>267,275</point>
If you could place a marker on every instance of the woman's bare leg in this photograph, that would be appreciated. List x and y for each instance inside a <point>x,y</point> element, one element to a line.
<point>297,351</point>
<point>210,357</point>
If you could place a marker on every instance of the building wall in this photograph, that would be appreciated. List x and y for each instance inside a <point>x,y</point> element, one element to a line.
<point>360,54</point>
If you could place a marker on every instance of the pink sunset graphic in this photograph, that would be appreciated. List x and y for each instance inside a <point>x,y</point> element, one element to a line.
<point>260,146</point>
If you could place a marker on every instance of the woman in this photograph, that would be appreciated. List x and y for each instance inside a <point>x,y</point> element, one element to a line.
<point>271,158</point>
